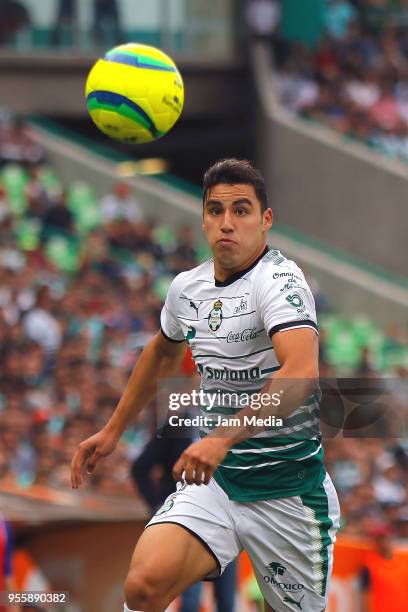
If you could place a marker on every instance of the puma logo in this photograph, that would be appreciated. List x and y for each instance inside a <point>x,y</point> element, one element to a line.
<point>192,305</point>
<point>288,599</point>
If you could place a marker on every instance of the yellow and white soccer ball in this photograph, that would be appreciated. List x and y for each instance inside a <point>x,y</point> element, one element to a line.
<point>135,94</point>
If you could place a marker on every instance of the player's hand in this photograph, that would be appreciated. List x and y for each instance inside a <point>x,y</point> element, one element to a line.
<point>89,452</point>
<point>200,460</point>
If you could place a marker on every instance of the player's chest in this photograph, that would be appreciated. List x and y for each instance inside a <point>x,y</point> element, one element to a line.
<point>230,319</point>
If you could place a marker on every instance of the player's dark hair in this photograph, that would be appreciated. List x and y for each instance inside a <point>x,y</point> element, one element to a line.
<point>236,172</point>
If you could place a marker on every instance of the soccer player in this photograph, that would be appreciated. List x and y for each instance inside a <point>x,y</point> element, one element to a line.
<point>249,318</point>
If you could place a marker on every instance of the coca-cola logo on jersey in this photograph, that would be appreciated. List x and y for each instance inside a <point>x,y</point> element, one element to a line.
<point>241,336</point>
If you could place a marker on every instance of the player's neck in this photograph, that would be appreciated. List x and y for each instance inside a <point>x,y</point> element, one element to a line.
<point>222,274</point>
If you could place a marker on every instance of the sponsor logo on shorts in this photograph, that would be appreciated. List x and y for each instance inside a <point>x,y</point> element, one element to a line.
<point>277,569</point>
<point>288,599</point>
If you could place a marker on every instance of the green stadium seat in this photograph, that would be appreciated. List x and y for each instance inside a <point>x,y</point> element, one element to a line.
<point>79,195</point>
<point>87,218</point>
<point>83,203</point>
<point>343,344</point>
<point>203,252</point>
<point>63,253</point>
<point>28,234</point>
<point>165,237</point>
<point>161,286</point>
<point>18,204</point>
<point>50,180</point>
<point>392,354</point>
<point>14,179</point>
<point>364,329</point>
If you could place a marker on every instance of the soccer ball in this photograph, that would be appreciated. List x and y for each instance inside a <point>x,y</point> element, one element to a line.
<point>135,94</point>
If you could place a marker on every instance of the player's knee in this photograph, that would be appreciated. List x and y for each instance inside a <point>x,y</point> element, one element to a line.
<point>142,590</point>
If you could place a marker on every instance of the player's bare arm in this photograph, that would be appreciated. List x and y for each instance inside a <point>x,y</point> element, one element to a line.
<point>160,359</point>
<point>297,351</point>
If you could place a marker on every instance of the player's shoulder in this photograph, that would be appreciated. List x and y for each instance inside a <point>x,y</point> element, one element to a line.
<point>202,273</point>
<point>274,265</point>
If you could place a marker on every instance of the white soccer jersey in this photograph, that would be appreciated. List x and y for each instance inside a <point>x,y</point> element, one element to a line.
<point>229,327</point>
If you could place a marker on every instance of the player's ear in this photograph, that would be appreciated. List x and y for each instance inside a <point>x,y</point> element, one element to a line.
<point>267,218</point>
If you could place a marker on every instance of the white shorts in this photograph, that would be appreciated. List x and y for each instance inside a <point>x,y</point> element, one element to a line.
<point>289,541</point>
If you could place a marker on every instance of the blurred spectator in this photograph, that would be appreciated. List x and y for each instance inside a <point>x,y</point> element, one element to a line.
<point>58,219</point>
<point>384,112</point>
<point>389,482</point>
<point>16,143</point>
<point>263,18</point>
<point>4,205</point>
<point>6,576</point>
<point>365,368</point>
<point>355,79</point>
<point>14,17</point>
<point>120,205</point>
<point>28,576</point>
<point>374,14</point>
<point>65,22</point>
<point>364,90</point>
<point>106,29</point>
<point>38,199</point>
<point>41,325</point>
<point>297,90</point>
<point>385,575</point>
<point>152,469</point>
<point>339,15</point>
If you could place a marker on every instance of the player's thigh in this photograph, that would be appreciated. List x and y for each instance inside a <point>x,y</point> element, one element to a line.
<point>205,512</point>
<point>173,554</point>
<point>290,543</point>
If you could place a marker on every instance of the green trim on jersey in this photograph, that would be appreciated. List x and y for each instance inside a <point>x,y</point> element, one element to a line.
<point>286,479</point>
<point>317,510</point>
<point>250,459</point>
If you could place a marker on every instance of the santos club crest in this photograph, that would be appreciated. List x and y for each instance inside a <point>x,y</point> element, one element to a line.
<point>215,316</point>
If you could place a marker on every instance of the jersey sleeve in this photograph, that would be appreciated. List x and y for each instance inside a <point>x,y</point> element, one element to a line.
<point>284,300</point>
<point>170,325</point>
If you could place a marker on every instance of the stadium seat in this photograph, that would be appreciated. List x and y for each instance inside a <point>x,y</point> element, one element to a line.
<point>63,253</point>
<point>14,179</point>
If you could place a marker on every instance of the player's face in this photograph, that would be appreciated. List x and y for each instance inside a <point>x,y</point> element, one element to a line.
<point>235,227</point>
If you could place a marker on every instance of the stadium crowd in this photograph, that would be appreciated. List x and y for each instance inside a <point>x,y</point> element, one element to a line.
<point>81,294</point>
<point>355,78</point>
